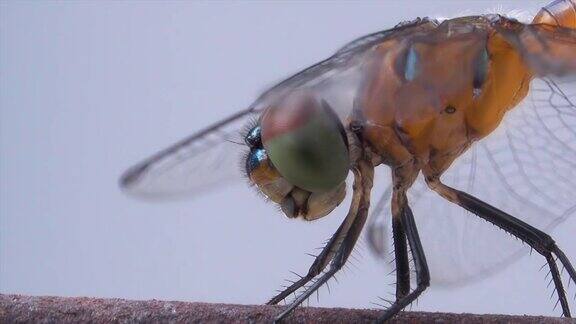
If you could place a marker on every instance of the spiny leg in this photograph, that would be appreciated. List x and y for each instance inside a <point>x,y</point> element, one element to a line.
<point>401,259</point>
<point>420,264</point>
<point>565,262</point>
<point>363,178</point>
<point>337,263</point>
<point>538,240</point>
<point>331,247</point>
<point>316,268</point>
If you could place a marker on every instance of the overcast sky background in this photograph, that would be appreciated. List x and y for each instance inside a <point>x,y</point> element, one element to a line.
<point>88,88</point>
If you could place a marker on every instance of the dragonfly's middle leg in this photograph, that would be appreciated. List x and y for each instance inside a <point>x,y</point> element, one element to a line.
<point>401,258</point>
<point>405,218</point>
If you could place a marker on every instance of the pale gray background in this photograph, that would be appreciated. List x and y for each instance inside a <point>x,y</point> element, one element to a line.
<point>88,88</point>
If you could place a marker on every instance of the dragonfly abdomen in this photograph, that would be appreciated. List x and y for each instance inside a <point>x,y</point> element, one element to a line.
<point>558,13</point>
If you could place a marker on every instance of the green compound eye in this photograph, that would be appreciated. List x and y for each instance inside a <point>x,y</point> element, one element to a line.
<point>306,143</point>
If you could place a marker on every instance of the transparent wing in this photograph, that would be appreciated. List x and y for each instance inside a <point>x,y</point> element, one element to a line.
<point>527,168</point>
<point>211,157</point>
<point>208,158</point>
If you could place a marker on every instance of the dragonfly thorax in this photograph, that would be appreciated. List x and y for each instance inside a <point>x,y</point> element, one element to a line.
<point>427,98</point>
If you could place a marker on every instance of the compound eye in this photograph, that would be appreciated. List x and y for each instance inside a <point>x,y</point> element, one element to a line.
<point>263,174</point>
<point>306,143</point>
<point>254,159</point>
<point>253,138</point>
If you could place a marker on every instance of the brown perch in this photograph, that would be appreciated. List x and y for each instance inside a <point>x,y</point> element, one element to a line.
<point>32,309</point>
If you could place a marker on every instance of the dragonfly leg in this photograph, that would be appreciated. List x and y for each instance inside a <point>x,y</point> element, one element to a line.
<point>316,268</point>
<point>422,273</point>
<point>401,259</point>
<point>538,240</point>
<point>338,252</point>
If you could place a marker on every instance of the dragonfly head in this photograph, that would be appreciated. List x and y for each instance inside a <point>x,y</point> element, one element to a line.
<point>299,156</point>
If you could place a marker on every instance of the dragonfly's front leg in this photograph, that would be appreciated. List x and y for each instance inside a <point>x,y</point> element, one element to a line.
<point>405,219</point>
<point>316,268</point>
<point>328,252</point>
<point>344,239</point>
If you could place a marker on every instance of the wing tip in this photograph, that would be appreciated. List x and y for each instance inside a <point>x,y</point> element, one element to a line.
<point>131,176</point>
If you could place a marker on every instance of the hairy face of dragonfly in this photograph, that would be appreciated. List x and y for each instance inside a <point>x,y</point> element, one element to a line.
<point>299,156</point>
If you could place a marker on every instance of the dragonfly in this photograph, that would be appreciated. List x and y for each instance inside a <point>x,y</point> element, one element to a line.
<point>473,119</point>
